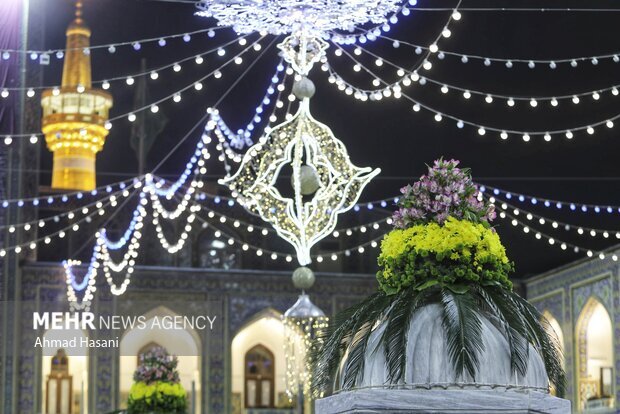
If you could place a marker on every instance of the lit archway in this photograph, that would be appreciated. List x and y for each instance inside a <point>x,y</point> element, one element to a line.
<point>264,333</point>
<point>184,343</point>
<point>64,373</point>
<point>595,359</point>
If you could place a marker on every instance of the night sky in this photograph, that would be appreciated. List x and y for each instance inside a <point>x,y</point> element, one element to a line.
<point>388,134</point>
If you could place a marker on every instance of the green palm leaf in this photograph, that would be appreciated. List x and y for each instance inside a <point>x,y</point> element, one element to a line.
<point>508,319</point>
<point>546,344</point>
<point>394,337</point>
<point>337,337</point>
<point>463,331</point>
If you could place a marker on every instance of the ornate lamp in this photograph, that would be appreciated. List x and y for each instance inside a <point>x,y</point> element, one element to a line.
<point>302,322</point>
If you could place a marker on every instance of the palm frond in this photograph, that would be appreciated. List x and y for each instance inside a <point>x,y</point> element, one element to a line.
<point>463,331</point>
<point>361,332</point>
<point>337,337</point>
<point>395,334</point>
<point>508,319</point>
<point>546,344</point>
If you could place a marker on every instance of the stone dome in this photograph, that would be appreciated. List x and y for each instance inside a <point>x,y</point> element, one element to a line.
<point>428,363</point>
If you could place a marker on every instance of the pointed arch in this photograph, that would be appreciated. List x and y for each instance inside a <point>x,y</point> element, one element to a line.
<point>262,334</point>
<point>184,343</point>
<point>594,340</point>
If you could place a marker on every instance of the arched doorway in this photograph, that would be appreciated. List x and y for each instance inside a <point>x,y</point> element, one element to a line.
<point>64,372</point>
<point>258,363</point>
<point>259,377</point>
<point>595,359</point>
<point>184,343</point>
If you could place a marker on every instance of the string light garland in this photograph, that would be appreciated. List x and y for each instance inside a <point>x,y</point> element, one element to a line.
<point>509,100</point>
<point>582,231</point>
<point>6,54</point>
<point>66,197</point>
<point>153,73</point>
<point>552,241</point>
<point>175,96</point>
<point>154,106</point>
<point>549,203</point>
<point>481,129</point>
<point>509,63</point>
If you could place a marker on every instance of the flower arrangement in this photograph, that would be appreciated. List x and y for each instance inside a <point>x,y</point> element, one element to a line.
<point>442,251</point>
<point>156,387</point>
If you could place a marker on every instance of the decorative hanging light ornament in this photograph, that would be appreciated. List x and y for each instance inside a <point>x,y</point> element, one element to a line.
<point>303,323</point>
<point>325,183</point>
<point>316,17</point>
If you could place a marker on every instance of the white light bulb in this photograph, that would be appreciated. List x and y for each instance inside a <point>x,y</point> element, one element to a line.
<point>547,137</point>
<point>554,102</point>
<point>427,65</point>
<point>481,131</point>
<point>466,94</point>
<point>34,139</point>
<point>433,48</point>
<point>30,93</point>
<point>438,117</point>
<point>198,86</point>
<point>199,60</point>
<point>130,81</point>
<point>533,103</point>
<point>444,89</point>
<point>510,102</point>
<point>154,109</point>
<point>590,130</point>
<point>446,33</point>
<point>503,135</point>
<point>569,134</point>
<point>4,93</point>
<point>456,15</point>
<point>154,75</point>
<point>176,67</point>
<point>609,124</point>
<point>526,137</point>
<point>176,97</point>
<point>596,96</point>
<point>488,99</point>
<point>575,99</point>
<point>8,140</point>
<point>131,117</point>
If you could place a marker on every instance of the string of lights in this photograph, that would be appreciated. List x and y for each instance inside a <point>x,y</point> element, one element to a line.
<point>68,196</point>
<point>372,34</point>
<point>549,203</point>
<point>61,233</point>
<point>135,44</point>
<point>489,98</point>
<point>70,215</point>
<point>555,224</point>
<point>153,73</point>
<point>439,116</point>
<point>509,63</point>
<point>154,106</point>
<point>552,241</point>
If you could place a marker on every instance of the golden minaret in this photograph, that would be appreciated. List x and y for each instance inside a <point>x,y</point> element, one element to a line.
<point>75,114</point>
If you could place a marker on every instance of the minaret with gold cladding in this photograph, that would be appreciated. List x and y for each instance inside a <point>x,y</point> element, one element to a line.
<point>75,114</point>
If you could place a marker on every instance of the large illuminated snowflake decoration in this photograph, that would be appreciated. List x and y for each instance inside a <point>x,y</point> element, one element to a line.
<point>325,183</point>
<point>315,17</point>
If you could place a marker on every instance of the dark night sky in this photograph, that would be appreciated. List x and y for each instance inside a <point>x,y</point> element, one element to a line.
<point>389,134</point>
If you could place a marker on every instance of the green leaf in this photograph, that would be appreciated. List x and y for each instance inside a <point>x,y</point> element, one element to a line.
<point>426,285</point>
<point>463,331</point>
<point>458,289</point>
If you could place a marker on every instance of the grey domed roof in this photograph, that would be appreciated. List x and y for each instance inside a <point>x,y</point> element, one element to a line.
<point>428,362</point>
